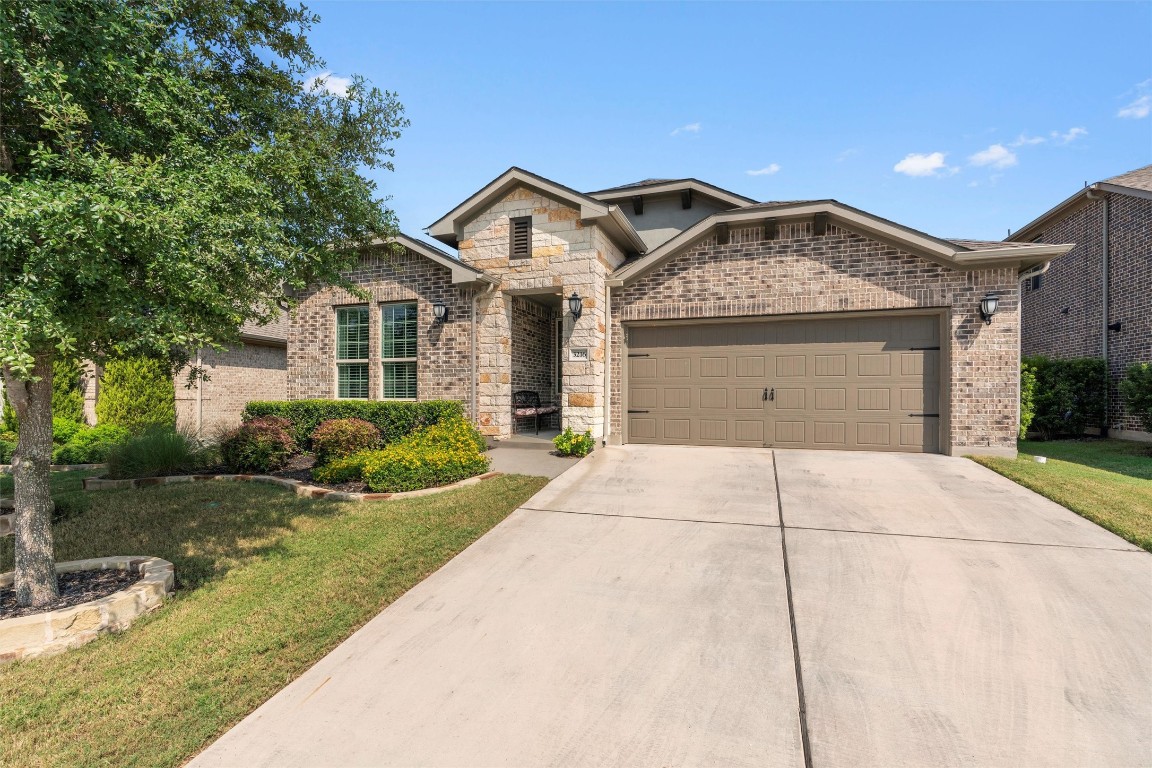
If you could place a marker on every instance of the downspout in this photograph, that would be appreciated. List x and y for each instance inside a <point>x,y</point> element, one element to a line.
<point>1027,274</point>
<point>1104,311</point>
<point>475,357</point>
<point>200,394</point>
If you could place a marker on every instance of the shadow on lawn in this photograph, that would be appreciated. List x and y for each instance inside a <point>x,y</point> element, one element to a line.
<point>1124,457</point>
<point>204,529</point>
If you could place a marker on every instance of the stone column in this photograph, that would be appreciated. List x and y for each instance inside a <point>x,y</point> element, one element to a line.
<point>494,364</point>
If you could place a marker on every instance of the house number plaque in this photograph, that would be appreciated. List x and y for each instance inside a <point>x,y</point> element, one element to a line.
<point>578,355</point>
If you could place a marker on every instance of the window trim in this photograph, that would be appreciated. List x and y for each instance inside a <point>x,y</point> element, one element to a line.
<point>366,361</point>
<point>415,359</point>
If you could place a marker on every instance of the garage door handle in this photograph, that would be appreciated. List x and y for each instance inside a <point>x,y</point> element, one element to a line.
<point>633,410</point>
<point>769,395</point>
<point>926,415</point>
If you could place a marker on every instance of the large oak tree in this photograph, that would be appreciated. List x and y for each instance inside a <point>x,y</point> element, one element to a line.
<point>165,175</point>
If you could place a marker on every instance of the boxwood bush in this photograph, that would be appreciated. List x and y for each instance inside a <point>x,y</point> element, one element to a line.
<point>1136,389</point>
<point>395,420</point>
<point>90,446</point>
<point>1070,395</point>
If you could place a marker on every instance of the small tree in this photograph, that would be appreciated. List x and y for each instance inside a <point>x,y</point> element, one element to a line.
<point>67,397</point>
<point>165,176</point>
<point>1137,391</point>
<point>136,394</point>
<point>1027,397</point>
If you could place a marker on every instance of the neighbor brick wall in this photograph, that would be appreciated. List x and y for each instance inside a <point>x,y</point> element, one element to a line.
<point>844,271</point>
<point>236,376</point>
<point>389,275</point>
<point>533,348</point>
<point>1073,283</point>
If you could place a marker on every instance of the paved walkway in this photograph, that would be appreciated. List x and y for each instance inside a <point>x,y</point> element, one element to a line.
<point>674,606</point>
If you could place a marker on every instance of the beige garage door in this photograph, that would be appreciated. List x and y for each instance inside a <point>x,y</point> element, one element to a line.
<point>862,383</point>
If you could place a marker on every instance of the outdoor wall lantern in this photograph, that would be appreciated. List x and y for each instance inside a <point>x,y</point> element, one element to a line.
<point>439,311</point>
<point>575,305</point>
<point>988,306</point>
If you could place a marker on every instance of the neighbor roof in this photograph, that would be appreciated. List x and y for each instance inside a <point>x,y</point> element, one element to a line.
<point>957,254</point>
<point>665,186</point>
<point>1136,183</point>
<point>448,228</point>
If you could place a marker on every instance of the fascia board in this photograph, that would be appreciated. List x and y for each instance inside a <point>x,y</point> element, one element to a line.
<point>716,193</point>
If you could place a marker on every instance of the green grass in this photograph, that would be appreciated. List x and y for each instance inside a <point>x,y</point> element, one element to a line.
<point>1106,481</point>
<point>268,583</point>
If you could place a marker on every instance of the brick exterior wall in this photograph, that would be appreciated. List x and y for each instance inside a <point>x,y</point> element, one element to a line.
<point>533,348</point>
<point>1074,283</point>
<point>235,377</point>
<point>799,273</point>
<point>567,256</point>
<point>443,350</point>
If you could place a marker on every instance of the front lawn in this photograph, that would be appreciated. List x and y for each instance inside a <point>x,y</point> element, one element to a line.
<point>267,584</point>
<point>1106,481</point>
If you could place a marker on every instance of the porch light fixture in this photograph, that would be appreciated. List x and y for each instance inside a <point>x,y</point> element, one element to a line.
<point>575,305</point>
<point>439,311</point>
<point>988,306</point>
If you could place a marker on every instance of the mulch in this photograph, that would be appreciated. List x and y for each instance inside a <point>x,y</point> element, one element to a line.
<point>75,588</point>
<point>300,468</point>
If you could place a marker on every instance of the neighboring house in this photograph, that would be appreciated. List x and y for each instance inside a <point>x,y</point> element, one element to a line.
<point>706,318</point>
<point>1097,300</point>
<point>252,370</point>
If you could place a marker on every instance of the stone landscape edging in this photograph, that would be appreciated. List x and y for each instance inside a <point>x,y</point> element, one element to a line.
<point>53,632</point>
<point>299,487</point>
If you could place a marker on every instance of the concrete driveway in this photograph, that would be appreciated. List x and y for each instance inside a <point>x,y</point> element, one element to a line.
<point>638,611</point>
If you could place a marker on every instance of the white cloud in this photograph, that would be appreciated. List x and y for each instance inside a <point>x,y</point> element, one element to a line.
<point>923,165</point>
<point>690,128</point>
<point>1027,141</point>
<point>997,156</point>
<point>767,170</point>
<point>846,154</point>
<point>337,86</point>
<point>1141,106</point>
<point>1070,136</point>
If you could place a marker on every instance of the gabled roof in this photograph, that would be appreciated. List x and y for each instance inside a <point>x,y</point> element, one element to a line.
<point>665,186</point>
<point>449,228</point>
<point>957,254</point>
<point>461,272</point>
<point>1137,183</point>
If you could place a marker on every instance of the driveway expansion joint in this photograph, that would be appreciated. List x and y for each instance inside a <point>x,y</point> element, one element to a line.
<point>1135,551</point>
<point>651,517</point>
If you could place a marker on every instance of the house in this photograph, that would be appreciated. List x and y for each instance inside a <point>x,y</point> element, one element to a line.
<point>1096,301</point>
<point>673,311</point>
<point>252,370</point>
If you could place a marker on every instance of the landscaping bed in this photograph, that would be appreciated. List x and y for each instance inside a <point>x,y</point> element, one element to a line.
<point>1105,481</point>
<point>75,588</point>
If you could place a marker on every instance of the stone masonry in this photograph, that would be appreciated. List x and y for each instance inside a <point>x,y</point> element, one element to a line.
<point>1063,318</point>
<point>567,256</point>
<point>533,348</point>
<point>389,274</point>
<point>842,271</point>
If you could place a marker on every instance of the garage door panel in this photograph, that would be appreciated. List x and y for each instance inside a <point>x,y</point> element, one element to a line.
<point>847,383</point>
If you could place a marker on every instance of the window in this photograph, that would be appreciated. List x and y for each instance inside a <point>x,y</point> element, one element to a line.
<point>520,232</point>
<point>398,350</point>
<point>352,352</point>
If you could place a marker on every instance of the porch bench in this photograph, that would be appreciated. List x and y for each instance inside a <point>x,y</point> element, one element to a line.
<point>526,405</point>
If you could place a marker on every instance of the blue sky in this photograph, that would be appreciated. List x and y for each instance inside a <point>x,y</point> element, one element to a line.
<point>959,119</point>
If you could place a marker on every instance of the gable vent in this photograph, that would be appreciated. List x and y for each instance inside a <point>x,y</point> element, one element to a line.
<point>521,232</point>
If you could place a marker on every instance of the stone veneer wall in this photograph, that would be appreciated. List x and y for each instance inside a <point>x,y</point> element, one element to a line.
<point>533,348</point>
<point>838,272</point>
<point>235,377</point>
<point>444,369</point>
<point>1074,283</point>
<point>567,256</point>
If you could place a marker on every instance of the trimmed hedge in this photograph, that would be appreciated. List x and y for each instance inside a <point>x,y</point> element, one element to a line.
<point>1137,391</point>
<point>395,420</point>
<point>90,446</point>
<point>1027,397</point>
<point>1070,395</point>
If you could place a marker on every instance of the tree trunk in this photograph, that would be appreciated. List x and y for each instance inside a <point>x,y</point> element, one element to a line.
<point>35,561</point>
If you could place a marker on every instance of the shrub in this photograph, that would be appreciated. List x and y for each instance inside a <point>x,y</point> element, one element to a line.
<point>7,448</point>
<point>159,451</point>
<point>67,397</point>
<point>1070,395</point>
<point>342,470</point>
<point>137,394</point>
<point>568,443</point>
<point>64,430</point>
<point>438,455</point>
<point>262,445</point>
<point>1027,397</point>
<point>395,420</point>
<point>338,438</point>
<point>8,420</point>
<point>90,446</point>
<point>1136,388</point>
